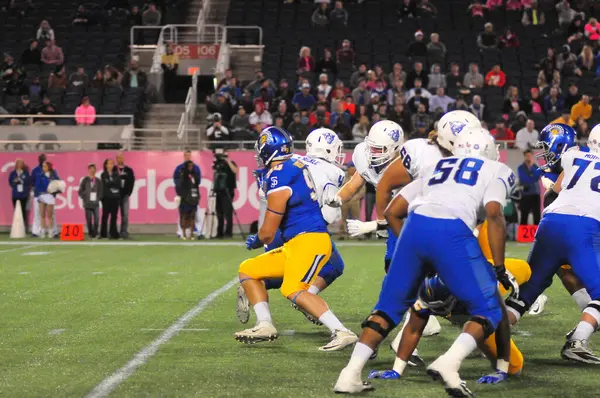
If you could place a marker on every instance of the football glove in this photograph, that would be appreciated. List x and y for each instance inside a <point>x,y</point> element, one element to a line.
<point>507,280</point>
<point>494,378</point>
<point>547,183</point>
<point>358,228</point>
<point>384,374</point>
<point>382,229</point>
<point>253,242</point>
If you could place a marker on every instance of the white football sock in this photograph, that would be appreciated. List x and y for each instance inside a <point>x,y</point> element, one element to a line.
<point>360,356</point>
<point>262,312</point>
<point>331,322</point>
<point>582,298</point>
<point>399,365</point>
<point>462,347</point>
<point>314,289</point>
<point>583,332</point>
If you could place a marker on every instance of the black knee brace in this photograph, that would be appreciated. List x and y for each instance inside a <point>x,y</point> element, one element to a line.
<point>595,304</point>
<point>518,305</point>
<point>376,326</point>
<point>488,329</point>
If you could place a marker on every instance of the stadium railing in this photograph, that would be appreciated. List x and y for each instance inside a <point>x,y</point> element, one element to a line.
<point>191,103</point>
<point>71,116</point>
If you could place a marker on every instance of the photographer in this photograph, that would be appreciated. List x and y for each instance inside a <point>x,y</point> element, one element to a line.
<point>217,132</point>
<point>224,184</point>
<point>188,191</point>
<point>187,157</point>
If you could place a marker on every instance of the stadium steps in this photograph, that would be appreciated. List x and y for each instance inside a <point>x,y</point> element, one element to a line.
<point>166,117</point>
<point>244,60</point>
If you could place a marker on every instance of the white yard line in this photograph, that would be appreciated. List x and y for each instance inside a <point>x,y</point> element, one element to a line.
<point>109,384</point>
<point>17,248</point>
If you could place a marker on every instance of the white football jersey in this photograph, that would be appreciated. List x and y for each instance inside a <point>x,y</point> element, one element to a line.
<point>580,187</point>
<point>361,161</point>
<point>419,155</point>
<point>459,188</point>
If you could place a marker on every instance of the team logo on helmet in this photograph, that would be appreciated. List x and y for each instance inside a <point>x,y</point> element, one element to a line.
<point>265,138</point>
<point>394,135</point>
<point>476,147</point>
<point>328,138</point>
<point>457,127</point>
<point>556,130</point>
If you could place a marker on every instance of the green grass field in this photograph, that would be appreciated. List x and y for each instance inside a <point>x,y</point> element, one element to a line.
<point>73,315</point>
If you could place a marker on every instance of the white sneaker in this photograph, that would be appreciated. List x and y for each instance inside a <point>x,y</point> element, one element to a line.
<point>340,339</point>
<point>242,309</point>
<point>538,307</point>
<point>263,331</point>
<point>349,382</point>
<point>432,328</point>
<point>446,371</point>
<point>578,351</point>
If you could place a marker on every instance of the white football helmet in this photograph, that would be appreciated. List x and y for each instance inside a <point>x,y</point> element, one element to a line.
<point>477,142</point>
<point>383,142</point>
<point>594,139</point>
<point>325,144</point>
<point>451,124</point>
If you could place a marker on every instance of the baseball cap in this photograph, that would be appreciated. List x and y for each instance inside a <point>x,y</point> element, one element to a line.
<point>305,85</point>
<point>418,33</point>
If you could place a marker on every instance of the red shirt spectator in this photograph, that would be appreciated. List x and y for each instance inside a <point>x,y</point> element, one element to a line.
<point>345,55</point>
<point>320,117</point>
<point>306,63</point>
<point>349,105</point>
<point>495,77</point>
<point>477,10</point>
<point>592,30</point>
<point>493,3</point>
<point>85,114</point>
<point>513,5</point>
<point>503,133</point>
<point>509,39</point>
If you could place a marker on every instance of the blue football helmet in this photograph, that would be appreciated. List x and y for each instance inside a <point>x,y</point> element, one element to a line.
<point>555,139</point>
<point>436,296</point>
<point>273,144</point>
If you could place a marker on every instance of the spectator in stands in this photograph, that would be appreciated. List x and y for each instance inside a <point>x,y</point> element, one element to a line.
<point>566,63</point>
<point>459,105</point>
<point>493,4</point>
<point>397,73</point>
<point>502,133</point>
<point>476,9</point>
<point>81,16</point>
<point>216,131</point>
<point>582,109</point>
<point>380,88</point>
<point>495,77</point>
<point>135,16</point>
<point>566,14</point>
<point>436,50</point>
<point>46,108</point>
<point>564,118</point>
<point>418,86</point>
<point>421,122</point>
<point>518,120</point>
<point>416,100</point>
<point>509,39</point>
<point>10,67</point>
<point>361,129</point>
<point>436,78</point>
<point>512,101</point>
<point>513,5</point>
<point>426,9</point>
<point>592,30</point>
<point>548,64</point>
<point>299,128</point>
<point>320,16</point>
<point>572,96</point>
<point>324,88</point>
<point>417,48</point>
<point>151,17</point>
<point>260,118</point>
<point>473,79</point>
<point>283,112</point>
<point>488,38</point>
<point>320,117</point>
<point>345,55</point>
<point>134,77</point>
<point>35,89</point>
<point>225,80</point>
<point>52,54</point>
<point>586,59</point>
<point>306,63</point>
<point>399,115</point>
<point>79,79</point>
<point>554,102</point>
<point>477,108</point>
<point>340,119</point>
<point>304,100</point>
<point>20,183</point>
<point>45,32</point>
<point>90,192</point>
<point>583,130</point>
<point>32,55</point>
<point>454,79</point>
<point>440,100</point>
<point>326,64</point>
<point>535,102</point>
<point>576,31</point>
<point>111,195</point>
<point>527,137</point>
<point>240,125</point>
<point>85,114</point>
<point>349,106</point>
<point>529,177</point>
<point>170,63</point>
<point>338,16</point>
<point>407,8</point>
<point>360,73</point>
<point>58,78</point>
<point>371,80</point>
<point>418,72</point>
<point>361,95</point>
<point>397,89</point>
<point>284,93</point>
<point>259,77</point>
<point>98,80</point>
<point>219,105</point>
<point>534,15</point>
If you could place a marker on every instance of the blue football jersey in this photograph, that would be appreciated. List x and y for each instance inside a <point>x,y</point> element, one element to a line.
<point>303,212</point>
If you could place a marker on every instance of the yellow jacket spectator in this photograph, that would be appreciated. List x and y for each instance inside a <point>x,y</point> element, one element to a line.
<point>582,109</point>
<point>565,118</point>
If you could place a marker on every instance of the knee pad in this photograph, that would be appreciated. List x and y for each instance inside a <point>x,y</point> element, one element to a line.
<point>376,326</point>
<point>516,306</point>
<point>488,326</point>
<point>593,309</point>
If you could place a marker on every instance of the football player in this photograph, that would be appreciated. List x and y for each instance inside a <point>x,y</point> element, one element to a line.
<point>324,156</point>
<point>437,236</point>
<point>293,207</point>
<point>570,233</point>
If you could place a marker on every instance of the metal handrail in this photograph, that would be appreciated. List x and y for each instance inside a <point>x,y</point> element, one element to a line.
<point>260,30</point>
<point>203,14</point>
<point>191,102</point>
<point>132,43</point>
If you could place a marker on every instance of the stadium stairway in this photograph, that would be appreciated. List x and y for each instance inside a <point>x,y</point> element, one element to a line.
<point>166,117</point>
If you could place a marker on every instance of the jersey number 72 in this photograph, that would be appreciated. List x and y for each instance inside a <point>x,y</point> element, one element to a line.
<point>582,165</point>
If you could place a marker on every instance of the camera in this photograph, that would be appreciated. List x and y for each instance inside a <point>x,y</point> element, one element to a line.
<point>214,117</point>
<point>220,157</point>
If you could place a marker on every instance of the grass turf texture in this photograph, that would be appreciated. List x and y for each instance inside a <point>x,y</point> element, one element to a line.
<point>73,316</point>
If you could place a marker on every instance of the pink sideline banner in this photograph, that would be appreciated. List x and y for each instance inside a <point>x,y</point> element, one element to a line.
<point>153,198</point>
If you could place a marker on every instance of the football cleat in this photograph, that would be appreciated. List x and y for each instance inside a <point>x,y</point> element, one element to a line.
<point>444,370</point>
<point>389,374</point>
<point>243,305</point>
<point>340,339</point>
<point>349,382</point>
<point>578,351</point>
<point>263,331</point>
<point>432,328</point>
<point>571,333</point>
<point>307,315</point>
<point>538,306</point>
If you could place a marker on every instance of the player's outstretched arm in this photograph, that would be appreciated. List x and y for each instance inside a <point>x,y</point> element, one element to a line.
<point>276,205</point>
<point>394,176</point>
<point>347,191</point>
<point>396,212</point>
